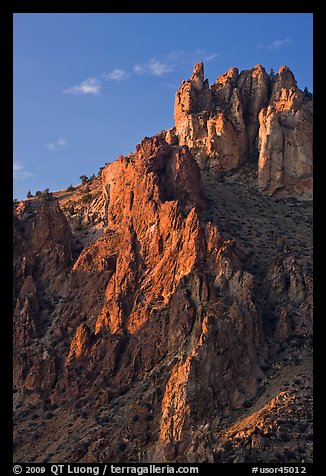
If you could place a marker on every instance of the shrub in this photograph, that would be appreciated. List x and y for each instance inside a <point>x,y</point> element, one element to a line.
<point>87,198</point>
<point>29,194</point>
<point>71,210</point>
<point>247,403</point>
<point>78,223</point>
<point>121,446</point>
<point>71,188</point>
<point>228,445</point>
<point>46,195</point>
<point>84,179</point>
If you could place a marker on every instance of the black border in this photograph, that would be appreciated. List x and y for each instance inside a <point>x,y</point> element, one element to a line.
<point>6,129</point>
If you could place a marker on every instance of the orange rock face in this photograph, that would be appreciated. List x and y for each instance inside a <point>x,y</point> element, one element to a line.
<point>167,291</point>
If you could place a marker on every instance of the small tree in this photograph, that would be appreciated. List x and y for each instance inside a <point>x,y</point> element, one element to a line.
<point>38,193</point>
<point>46,195</point>
<point>78,223</point>
<point>71,210</point>
<point>84,179</point>
<point>307,93</point>
<point>87,197</point>
<point>29,194</point>
<point>271,74</point>
<point>71,188</point>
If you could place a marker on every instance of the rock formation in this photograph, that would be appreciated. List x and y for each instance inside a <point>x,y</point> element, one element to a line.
<point>285,140</point>
<point>210,120</point>
<point>247,115</point>
<point>146,329</point>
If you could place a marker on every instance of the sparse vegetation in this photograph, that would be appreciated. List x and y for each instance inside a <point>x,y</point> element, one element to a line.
<point>46,195</point>
<point>71,210</point>
<point>87,198</point>
<point>78,223</point>
<point>307,93</point>
<point>121,446</point>
<point>228,445</point>
<point>84,179</point>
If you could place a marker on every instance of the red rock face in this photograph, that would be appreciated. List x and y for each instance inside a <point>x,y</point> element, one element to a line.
<point>170,276</point>
<point>172,300</point>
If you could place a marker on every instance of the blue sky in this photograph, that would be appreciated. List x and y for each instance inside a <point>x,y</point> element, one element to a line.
<point>89,87</point>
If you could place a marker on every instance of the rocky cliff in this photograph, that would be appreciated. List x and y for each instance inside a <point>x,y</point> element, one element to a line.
<point>146,332</point>
<point>245,116</point>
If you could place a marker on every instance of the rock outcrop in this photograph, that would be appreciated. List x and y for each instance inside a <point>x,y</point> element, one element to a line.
<point>289,294</point>
<point>254,86</point>
<point>42,262</point>
<point>285,140</point>
<point>170,275</point>
<point>210,120</point>
<point>245,116</point>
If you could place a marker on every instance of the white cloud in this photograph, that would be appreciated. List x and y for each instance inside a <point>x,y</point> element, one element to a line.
<point>116,75</point>
<point>139,69</point>
<point>59,144</point>
<point>19,171</point>
<point>154,67</point>
<point>201,54</point>
<point>210,57</point>
<point>176,55</point>
<point>89,86</point>
<point>277,44</point>
<point>158,68</point>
